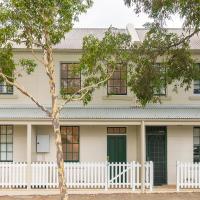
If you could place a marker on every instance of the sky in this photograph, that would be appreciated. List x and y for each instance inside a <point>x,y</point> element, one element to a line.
<point>105,13</point>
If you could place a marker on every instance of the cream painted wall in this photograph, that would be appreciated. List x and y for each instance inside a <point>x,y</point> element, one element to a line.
<point>179,148</point>
<point>37,84</point>
<point>93,143</point>
<point>19,143</point>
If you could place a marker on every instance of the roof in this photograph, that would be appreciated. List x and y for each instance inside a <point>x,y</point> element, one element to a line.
<point>114,113</point>
<point>74,39</point>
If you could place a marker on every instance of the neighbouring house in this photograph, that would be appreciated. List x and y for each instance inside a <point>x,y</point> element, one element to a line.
<point>105,139</point>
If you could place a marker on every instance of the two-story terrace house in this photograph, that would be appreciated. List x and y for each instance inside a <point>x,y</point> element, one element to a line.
<point>111,128</point>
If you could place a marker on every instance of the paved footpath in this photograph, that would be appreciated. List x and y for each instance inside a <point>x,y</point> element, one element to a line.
<point>161,196</point>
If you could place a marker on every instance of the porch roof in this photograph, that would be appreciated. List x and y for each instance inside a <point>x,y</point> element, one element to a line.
<point>94,112</point>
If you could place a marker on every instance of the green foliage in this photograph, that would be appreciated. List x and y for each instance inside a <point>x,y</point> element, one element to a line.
<point>160,10</point>
<point>35,24</point>
<point>7,64</point>
<point>145,76</point>
<point>28,65</point>
<point>99,55</point>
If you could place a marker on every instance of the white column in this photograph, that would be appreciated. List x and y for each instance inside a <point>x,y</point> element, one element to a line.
<point>29,130</point>
<point>143,156</point>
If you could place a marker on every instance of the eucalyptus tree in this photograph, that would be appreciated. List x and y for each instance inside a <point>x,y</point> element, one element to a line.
<point>38,26</point>
<point>162,57</point>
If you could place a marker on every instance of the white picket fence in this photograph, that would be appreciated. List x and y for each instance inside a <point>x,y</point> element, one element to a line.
<point>78,175</point>
<point>188,175</point>
<point>13,174</point>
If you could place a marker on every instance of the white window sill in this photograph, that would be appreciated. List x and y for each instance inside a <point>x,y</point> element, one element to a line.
<point>118,97</point>
<point>8,96</point>
<point>194,97</point>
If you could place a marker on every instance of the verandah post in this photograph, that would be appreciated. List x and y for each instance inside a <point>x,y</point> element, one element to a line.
<point>28,171</point>
<point>142,145</point>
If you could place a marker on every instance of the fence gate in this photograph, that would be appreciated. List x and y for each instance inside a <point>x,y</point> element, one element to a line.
<point>119,175</point>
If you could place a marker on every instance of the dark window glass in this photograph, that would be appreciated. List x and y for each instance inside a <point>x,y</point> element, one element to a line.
<point>6,143</point>
<point>196,89</point>
<point>70,143</point>
<point>117,84</point>
<point>196,144</point>
<point>70,78</point>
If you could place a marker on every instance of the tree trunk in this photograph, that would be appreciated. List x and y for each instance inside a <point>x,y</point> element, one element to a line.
<point>60,161</point>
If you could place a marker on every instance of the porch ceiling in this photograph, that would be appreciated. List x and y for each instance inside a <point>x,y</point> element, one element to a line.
<point>96,112</point>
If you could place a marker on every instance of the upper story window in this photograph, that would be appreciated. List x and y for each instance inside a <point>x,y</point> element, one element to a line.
<point>196,89</point>
<point>196,144</point>
<point>70,143</point>
<point>70,78</point>
<point>5,88</point>
<point>163,90</point>
<point>117,84</point>
<point>6,143</point>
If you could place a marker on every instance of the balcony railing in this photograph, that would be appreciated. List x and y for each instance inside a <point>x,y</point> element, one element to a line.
<point>6,89</point>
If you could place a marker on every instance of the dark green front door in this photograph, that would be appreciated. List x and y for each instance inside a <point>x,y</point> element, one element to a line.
<point>156,151</point>
<point>116,148</point>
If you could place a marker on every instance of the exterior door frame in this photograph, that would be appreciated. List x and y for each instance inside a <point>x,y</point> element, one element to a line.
<point>166,145</point>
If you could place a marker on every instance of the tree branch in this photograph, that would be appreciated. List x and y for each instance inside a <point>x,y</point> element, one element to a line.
<point>23,91</point>
<point>72,97</point>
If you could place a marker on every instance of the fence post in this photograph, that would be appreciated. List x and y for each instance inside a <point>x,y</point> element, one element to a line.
<point>133,175</point>
<point>177,176</point>
<point>106,175</point>
<point>151,176</point>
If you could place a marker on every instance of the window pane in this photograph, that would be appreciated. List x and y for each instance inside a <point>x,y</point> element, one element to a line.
<point>69,148</point>
<point>3,155</point>
<point>196,132</point>
<point>9,147</point>
<point>3,147</point>
<point>75,131</point>
<point>3,139</point>
<point>69,138</point>
<point>9,138</point>
<point>69,130</point>
<point>69,156</point>
<point>75,148</point>
<point>9,130</point>
<point>75,138</point>
<point>75,157</point>
<point>9,156</point>
<point>196,140</point>
<point>3,129</point>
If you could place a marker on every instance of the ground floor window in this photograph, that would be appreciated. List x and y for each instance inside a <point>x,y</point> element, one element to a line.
<point>196,144</point>
<point>6,143</point>
<point>70,143</point>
